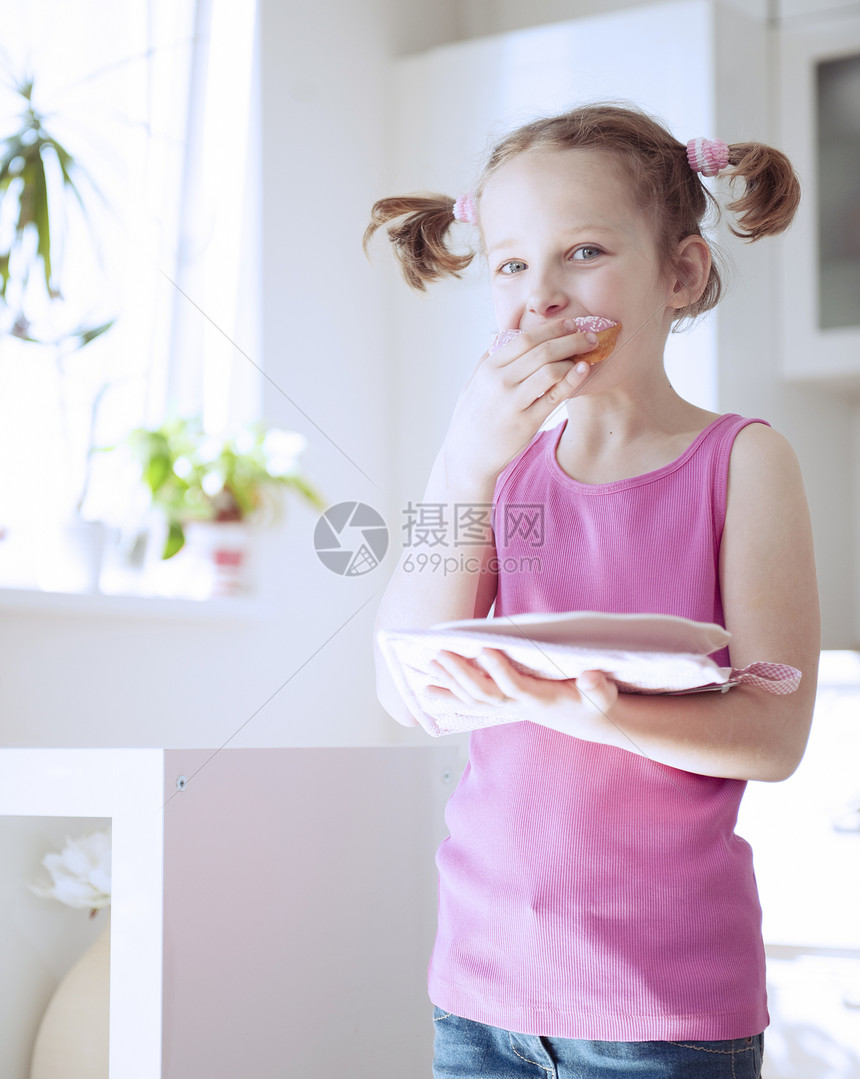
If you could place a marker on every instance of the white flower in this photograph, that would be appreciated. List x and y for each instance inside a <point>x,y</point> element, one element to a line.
<point>183,467</point>
<point>282,450</point>
<point>212,483</point>
<point>81,873</point>
<point>209,449</point>
<point>245,441</point>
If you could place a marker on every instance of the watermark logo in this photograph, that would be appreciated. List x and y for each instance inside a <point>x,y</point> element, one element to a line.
<point>523,521</point>
<point>351,538</point>
<point>435,524</point>
<point>473,524</point>
<point>461,563</point>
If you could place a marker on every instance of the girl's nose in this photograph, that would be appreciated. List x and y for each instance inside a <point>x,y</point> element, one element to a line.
<point>547,298</point>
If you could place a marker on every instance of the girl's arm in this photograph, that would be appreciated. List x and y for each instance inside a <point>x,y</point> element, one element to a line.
<point>419,595</point>
<point>501,408</point>
<point>770,602</point>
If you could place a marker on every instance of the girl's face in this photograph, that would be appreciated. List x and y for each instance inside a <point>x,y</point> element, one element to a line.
<point>563,238</point>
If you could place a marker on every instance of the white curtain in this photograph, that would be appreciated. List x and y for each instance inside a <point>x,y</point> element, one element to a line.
<point>155,99</point>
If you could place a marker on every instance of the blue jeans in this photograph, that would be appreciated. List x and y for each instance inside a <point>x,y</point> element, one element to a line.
<point>463,1049</point>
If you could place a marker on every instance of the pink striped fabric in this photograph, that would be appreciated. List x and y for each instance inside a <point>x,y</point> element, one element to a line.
<point>586,891</point>
<point>777,678</point>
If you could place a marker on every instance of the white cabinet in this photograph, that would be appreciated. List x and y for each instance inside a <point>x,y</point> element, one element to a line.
<point>819,128</point>
<point>282,902</point>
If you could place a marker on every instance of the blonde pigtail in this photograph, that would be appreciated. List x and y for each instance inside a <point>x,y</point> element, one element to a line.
<point>771,190</point>
<point>418,227</point>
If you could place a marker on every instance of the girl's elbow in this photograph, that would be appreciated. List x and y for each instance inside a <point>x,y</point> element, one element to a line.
<point>775,771</point>
<point>781,745</point>
<point>395,706</point>
<point>776,767</point>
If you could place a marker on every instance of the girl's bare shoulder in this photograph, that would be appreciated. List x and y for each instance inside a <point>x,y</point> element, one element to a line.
<point>761,454</point>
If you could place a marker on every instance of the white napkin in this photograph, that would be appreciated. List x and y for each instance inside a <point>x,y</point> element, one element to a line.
<point>642,653</point>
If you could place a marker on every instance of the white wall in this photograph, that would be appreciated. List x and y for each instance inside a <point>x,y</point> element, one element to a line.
<point>480,17</point>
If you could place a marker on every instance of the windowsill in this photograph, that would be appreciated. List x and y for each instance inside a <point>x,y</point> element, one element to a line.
<point>221,609</point>
<point>60,579</point>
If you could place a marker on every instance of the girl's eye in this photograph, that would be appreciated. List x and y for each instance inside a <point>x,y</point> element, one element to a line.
<point>514,266</point>
<point>586,253</point>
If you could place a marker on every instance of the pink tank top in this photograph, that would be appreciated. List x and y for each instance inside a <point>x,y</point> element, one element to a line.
<point>587,891</point>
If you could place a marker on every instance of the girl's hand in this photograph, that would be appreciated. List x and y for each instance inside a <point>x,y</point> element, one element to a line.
<point>508,397</point>
<point>574,706</point>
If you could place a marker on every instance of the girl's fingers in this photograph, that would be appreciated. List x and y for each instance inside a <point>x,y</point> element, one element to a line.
<point>491,680</point>
<point>465,679</point>
<point>509,395</point>
<point>499,667</point>
<point>566,387</point>
<point>556,368</point>
<point>597,690</point>
<point>538,364</point>
<point>594,688</point>
<point>444,681</point>
<point>534,349</point>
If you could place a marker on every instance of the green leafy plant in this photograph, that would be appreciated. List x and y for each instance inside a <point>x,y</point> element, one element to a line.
<point>194,477</point>
<point>38,176</point>
<point>42,209</point>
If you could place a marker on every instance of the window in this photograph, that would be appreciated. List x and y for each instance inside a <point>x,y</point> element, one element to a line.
<point>154,100</point>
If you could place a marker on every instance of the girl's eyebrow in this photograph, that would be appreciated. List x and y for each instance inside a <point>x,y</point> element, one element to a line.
<point>575,229</point>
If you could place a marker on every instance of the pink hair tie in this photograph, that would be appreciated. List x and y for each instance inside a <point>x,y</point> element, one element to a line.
<point>707,156</point>
<point>465,210</point>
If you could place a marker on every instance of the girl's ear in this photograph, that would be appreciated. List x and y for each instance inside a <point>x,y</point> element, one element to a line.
<point>691,266</point>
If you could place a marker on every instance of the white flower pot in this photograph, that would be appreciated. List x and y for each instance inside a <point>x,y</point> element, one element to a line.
<point>72,1040</point>
<point>219,557</point>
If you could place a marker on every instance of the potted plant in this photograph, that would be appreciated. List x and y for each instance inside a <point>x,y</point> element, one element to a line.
<point>203,485</point>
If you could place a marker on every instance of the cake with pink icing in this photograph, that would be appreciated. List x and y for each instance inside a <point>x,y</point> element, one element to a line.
<point>606,329</point>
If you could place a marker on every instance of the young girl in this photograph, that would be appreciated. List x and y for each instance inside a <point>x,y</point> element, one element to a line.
<point>598,916</point>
